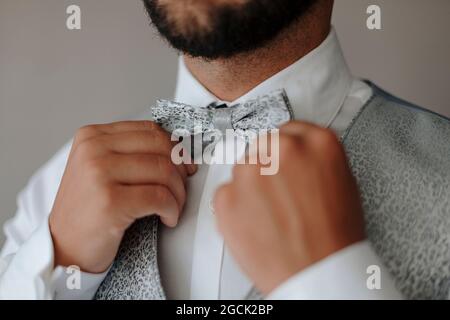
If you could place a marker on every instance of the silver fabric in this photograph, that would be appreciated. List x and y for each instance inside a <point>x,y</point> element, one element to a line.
<point>223,119</point>
<point>134,274</point>
<point>400,156</point>
<point>265,112</point>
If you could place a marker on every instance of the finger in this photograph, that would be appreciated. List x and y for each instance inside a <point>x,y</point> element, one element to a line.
<point>137,142</point>
<point>94,130</point>
<point>148,169</point>
<point>222,199</point>
<point>124,126</point>
<point>299,128</point>
<point>146,200</point>
<point>138,167</point>
<point>154,142</point>
<point>315,137</point>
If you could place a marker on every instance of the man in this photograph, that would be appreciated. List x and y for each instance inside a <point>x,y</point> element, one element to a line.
<point>228,232</point>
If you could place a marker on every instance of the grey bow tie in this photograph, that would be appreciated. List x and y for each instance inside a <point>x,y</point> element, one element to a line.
<point>263,113</point>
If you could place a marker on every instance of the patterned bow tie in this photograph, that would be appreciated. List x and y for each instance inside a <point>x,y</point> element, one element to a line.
<point>266,112</point>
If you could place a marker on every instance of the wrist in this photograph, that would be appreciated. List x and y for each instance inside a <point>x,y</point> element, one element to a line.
<point>90,254</point>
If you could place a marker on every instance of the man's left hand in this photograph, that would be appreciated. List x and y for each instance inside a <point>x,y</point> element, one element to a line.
<point>276,226</point>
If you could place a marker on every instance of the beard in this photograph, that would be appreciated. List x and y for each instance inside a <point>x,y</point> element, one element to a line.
<point>214,29</point>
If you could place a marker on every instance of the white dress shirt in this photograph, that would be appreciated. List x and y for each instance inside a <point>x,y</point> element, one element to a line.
<point>194,261</point>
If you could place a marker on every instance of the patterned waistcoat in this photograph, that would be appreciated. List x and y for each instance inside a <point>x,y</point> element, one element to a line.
<point>400,156</point>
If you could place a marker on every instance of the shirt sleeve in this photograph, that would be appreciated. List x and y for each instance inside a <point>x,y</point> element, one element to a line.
<point>29,272</point>
<point>27,258</point>
<point>354,273</point>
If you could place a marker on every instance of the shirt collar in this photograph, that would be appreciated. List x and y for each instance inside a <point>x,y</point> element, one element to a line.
<point>316,85</point>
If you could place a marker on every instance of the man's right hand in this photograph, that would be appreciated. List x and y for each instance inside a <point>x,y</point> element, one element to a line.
<point>116,174</point>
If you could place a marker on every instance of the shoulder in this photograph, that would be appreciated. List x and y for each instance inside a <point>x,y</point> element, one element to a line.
<point>393,130</point>
<point>393,101</point>
<point>390,117</point>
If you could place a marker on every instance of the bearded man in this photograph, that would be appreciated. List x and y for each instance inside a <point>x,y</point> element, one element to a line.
<point>359,208</point>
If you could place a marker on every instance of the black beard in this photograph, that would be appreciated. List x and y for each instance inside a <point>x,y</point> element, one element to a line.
<point>234,29</point>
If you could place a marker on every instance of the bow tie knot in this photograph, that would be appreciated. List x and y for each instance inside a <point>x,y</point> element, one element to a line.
<point>222,119</point>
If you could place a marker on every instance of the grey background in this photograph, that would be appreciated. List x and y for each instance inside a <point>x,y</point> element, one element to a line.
<point>53,80</point>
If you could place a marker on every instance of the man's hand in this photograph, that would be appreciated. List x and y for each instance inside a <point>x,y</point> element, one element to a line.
<point>276,226</point>
<point>115,174</point>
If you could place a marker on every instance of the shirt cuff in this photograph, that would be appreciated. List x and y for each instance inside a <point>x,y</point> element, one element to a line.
<point>354,273</point>
<point>70,283</point>
<point>29,273</point>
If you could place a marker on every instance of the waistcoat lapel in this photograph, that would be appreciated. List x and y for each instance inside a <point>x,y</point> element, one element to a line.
<point>134,274</point>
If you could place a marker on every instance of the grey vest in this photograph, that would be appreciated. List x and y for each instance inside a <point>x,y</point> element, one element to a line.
<point>400,156</point>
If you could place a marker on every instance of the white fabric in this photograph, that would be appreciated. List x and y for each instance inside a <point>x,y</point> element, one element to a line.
<point>342,275</point>
<point>194,262</point>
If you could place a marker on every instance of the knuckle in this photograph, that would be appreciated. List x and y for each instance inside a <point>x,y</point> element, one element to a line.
<point>324,138</point>
<point>107,198</point>
<point>290,125</point>
<point>156,137</point>
<point>288,144</point>
<point>86,149</point>
<point>290,147</point>
<point>85,131</point>
<point>95,168</point>
<point>146,124</point>
<point>326,141</point>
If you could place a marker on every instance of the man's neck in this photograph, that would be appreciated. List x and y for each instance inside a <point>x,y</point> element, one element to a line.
<point>229,79</point>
